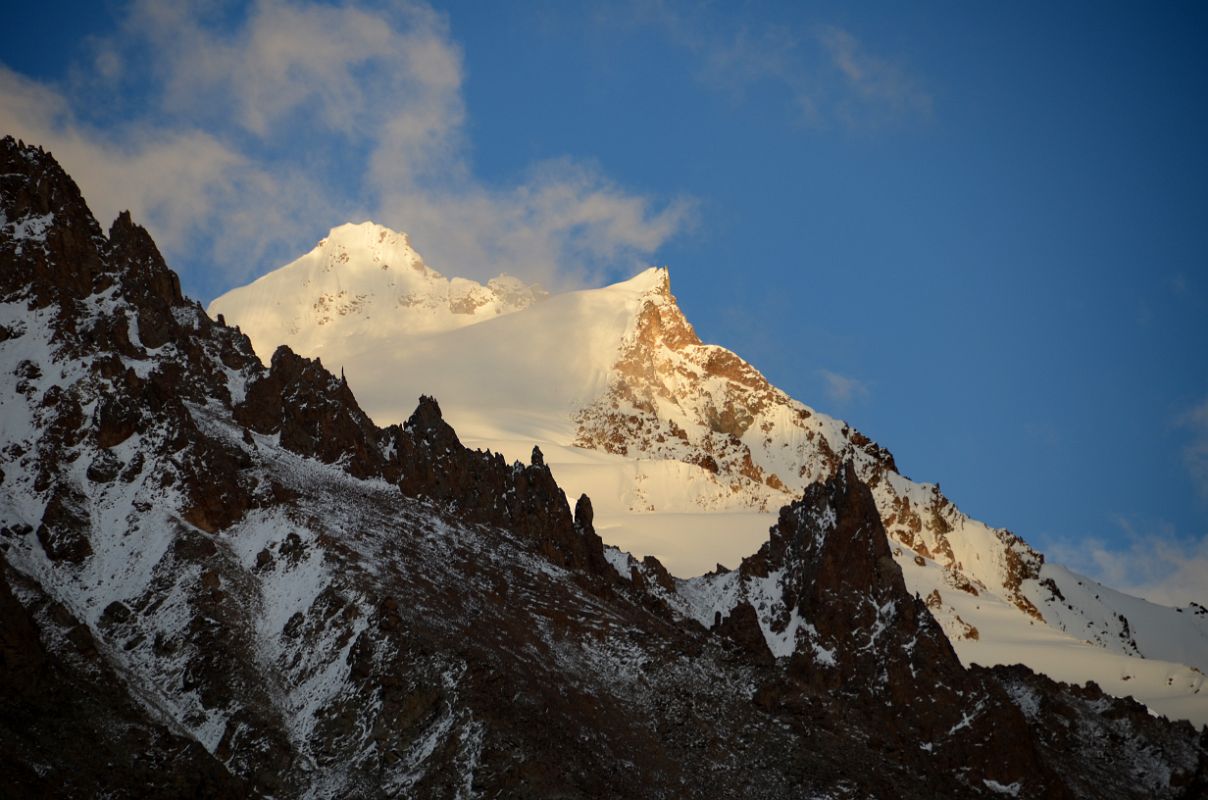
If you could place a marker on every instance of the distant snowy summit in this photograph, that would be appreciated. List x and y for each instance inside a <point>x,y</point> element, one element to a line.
<point>365,279</point>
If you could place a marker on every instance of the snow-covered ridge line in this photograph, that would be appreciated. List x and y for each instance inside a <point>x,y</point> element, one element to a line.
<point>687,450</point>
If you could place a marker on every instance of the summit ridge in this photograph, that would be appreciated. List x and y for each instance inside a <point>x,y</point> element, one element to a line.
<point>364,279</point>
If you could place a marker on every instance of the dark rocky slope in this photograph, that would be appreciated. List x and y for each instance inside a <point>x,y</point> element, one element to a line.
<point>221,579</point>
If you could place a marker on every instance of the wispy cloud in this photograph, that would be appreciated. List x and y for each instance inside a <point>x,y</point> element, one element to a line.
<point>876,87</point>
<point>1152,559</point>
<point>185,183</point>
<point>843,389</point>
<point>1195,452</point>
<point>828,75</point>
<point>295,117</point>
<point>1153,562</point>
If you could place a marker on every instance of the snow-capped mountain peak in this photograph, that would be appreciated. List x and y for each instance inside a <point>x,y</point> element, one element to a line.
<point>366,280</point>
<point>363,245</point>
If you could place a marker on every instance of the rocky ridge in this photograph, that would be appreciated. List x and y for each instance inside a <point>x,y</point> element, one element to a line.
<point>689,451</point>
<point>675,397</point>
<point>252,589</point>
<point>672,396</point>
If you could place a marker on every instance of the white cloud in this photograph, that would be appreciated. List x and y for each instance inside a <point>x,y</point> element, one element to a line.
<point>876,87</point>
<point>744,57</point>
<point>563,215</point>
<point>393,79</point>
<point>255,134</point>
<point>1152,560</point>
<point>843,389</point>
<point>1195,452</point>
<point>827,73</point>
<point>180,182</point>
<point>1153,563</point>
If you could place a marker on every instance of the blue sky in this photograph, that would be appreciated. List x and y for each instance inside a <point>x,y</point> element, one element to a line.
<point>977,232</point>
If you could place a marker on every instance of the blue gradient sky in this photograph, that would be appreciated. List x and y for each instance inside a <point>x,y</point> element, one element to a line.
<point>979,234</point>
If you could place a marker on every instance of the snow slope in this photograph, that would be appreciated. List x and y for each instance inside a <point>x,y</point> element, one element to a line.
<point>686,450</point>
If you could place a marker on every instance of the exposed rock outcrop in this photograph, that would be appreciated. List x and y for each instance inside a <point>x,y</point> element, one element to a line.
<point>313,414</point>
<point>672,396</point>
<point>482,487</point>
<point>861,636</point>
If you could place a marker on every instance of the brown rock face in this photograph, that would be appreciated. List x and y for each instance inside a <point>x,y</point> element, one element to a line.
<point>876,645</point>
<point>146,271</point>
<point>63,533</point>
<point>741,626</point>
<point>432,463</point>
<point>1066,733</point>
<point>584,516</point>
<point>153,287</point>
<point>315,414</point>
<point>55,262</point>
